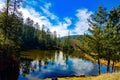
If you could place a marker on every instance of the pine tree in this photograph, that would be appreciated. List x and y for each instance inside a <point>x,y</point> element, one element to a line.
<point>96,28</point>
<point>10,22</point>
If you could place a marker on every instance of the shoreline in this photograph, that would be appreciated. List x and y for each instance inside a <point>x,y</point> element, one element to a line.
<point>106,76</point>
<point>103,61</point>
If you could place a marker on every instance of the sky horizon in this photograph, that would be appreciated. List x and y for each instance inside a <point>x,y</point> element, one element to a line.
<point>63,16</point>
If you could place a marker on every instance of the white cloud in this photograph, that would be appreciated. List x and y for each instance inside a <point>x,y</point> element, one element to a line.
<point>35,16</point>
<point>82,24</point>
<point>60,28</point>
<point>2,4</point>
<point>46,11</point>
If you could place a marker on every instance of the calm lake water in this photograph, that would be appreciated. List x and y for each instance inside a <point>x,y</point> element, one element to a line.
<point>38,64</point>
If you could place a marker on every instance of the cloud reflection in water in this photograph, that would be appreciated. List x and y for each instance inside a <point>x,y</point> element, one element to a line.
<point>74,66</point>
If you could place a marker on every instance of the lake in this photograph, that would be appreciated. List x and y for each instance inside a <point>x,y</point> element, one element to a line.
<point>43,64</point>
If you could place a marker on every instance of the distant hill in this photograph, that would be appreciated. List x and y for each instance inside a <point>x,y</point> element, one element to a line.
<point>79,37</point>
<point>74,40</point>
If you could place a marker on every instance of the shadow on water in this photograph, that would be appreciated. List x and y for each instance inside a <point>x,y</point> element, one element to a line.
<point>9,66</point>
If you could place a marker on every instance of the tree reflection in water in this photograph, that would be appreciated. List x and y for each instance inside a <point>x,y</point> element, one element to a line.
<point>55,64</point>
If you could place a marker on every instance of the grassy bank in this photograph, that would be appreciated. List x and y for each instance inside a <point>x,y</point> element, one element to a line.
<point>109,76</point>
<point>102,61</point>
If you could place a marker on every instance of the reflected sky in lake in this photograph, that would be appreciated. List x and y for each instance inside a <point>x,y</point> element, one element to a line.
<point>58,64</point>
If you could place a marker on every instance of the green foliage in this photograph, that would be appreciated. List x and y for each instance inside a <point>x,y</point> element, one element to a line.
<point>105,34</point>
<point>10,22</point>
<point>66,45</point>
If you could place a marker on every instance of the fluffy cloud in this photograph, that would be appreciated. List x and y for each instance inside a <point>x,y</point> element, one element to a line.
<point>35,16</point>
<point>46,11</point>
<point>44,19</point>
<point>61,28</point>
<point>82,24</point>
<point>2,4</point>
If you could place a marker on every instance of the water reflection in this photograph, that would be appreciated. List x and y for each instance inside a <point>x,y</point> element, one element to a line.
<point>56,64</point>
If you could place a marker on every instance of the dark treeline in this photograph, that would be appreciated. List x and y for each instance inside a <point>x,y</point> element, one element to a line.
<point>19,34</point>
<point>27,35</point>
<point>32,37</point>
<point>103,40</point>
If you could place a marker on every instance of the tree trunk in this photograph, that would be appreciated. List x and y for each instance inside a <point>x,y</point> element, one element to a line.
<point>108,65</point>
<point>113,66</point>
<point>99,66</point>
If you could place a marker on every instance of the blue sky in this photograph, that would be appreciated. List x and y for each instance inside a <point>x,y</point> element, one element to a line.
<point>63,15</point>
